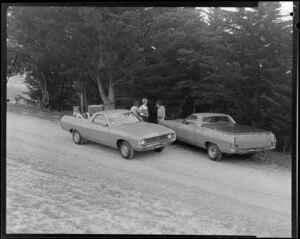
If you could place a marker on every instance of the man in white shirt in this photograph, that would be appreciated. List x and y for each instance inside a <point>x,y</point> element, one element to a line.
<point>161,113</point>
<point>76,112</point>
<point>144,110</point>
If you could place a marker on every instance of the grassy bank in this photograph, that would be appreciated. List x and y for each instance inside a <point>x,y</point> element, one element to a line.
<point>36,111</point>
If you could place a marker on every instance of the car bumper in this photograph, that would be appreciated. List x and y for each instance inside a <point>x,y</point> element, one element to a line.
<point>249,151</point>
<point>154,145</point>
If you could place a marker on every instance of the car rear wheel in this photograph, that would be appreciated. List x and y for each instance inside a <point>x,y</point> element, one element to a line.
<point>77,137</point>
<point>159,150</point>
<point>250,155</point>
<point>214,152</point>
<point>126,150</point>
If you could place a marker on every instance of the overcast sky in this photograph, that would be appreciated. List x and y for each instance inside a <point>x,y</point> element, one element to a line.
<point>286,9</point>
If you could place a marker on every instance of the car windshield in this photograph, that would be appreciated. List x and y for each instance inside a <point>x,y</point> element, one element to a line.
<point>217,119</point>
<point>124,118</point>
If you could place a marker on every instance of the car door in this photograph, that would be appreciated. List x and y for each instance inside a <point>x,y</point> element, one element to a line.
<point>201,136</point>
<point>99,130</point>
<point>187,129</point>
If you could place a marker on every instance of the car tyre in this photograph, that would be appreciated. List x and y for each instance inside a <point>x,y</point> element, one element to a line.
<point>77,138</point>
<point>159,150</point>
<point>214,152</point>
<point>126,150</point>
<point>250,155</point>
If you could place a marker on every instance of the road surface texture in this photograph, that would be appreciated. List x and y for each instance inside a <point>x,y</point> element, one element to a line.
<point>56,186</point>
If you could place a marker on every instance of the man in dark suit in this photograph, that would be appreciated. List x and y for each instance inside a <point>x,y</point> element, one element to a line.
<point>152,111</point>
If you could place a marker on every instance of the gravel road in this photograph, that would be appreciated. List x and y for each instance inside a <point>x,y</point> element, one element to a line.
<point>55,186</point>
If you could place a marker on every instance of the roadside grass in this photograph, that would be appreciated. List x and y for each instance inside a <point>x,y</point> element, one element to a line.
<point>279,159</point>
<point>37,111</point>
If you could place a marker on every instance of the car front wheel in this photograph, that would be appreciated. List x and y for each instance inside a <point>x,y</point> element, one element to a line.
<point>126,150</point>
<point>214,152</point>
<point>77,137</point>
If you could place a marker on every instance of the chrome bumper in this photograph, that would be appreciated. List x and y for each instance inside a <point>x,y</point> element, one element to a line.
<point>154,145</point>
<point>249,151</point>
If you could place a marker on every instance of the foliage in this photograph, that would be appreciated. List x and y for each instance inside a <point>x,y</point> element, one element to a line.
<point>232,62</point>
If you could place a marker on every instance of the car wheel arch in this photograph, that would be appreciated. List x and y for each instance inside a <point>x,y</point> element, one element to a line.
<point>119,141</point>
<point>207,143</point>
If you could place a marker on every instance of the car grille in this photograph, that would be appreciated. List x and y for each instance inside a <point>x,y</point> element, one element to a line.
<point>157,138</point>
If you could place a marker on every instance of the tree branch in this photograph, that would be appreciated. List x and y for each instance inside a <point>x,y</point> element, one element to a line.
<point>91,73</point>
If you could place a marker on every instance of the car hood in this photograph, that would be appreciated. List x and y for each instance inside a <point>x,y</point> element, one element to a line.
<point>234,128</point>
<point>143,129</point>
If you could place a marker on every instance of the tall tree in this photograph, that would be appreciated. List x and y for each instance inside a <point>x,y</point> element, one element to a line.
<point>255,72</point>
<point>31,29</point>
<point>105,41</point>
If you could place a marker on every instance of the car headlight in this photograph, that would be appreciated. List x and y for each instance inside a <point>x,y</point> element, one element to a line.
<point>142,142</point>
<point>169,136</point>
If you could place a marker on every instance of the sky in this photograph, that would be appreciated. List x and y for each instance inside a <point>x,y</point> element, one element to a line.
<point>286,9</point>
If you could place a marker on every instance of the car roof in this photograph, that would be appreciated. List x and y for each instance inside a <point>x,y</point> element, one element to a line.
<point>112,112</point>
<point>209,114</point>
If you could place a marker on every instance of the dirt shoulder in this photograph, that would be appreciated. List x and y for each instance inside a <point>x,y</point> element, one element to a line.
<point>56,186</point>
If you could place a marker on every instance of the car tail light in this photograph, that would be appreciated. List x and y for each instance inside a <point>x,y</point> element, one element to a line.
<point>234,145</point>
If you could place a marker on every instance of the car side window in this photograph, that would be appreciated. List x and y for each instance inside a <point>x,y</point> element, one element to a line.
<point>100,120</point>
<point>216,119</point>
<point>192,117</point>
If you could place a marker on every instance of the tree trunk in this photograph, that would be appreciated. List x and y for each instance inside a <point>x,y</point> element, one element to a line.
<point>194,107</point>
<point>111,95</point>
<point>82,94</point>
<point>45,93</point>
<point>85,105</point>
<point>101,90</point>
<point>110,104</point>
<point>109,99</point>
<point>58,93</point>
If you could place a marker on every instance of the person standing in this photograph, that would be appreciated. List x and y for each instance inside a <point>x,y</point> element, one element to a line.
<point>76,112</point>
<point>144,110</point>
<point>135,108</point>
<point>161,113</point>
<point>152,110</point>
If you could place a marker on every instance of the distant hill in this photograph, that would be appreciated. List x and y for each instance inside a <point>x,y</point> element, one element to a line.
<point>16,86</point>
